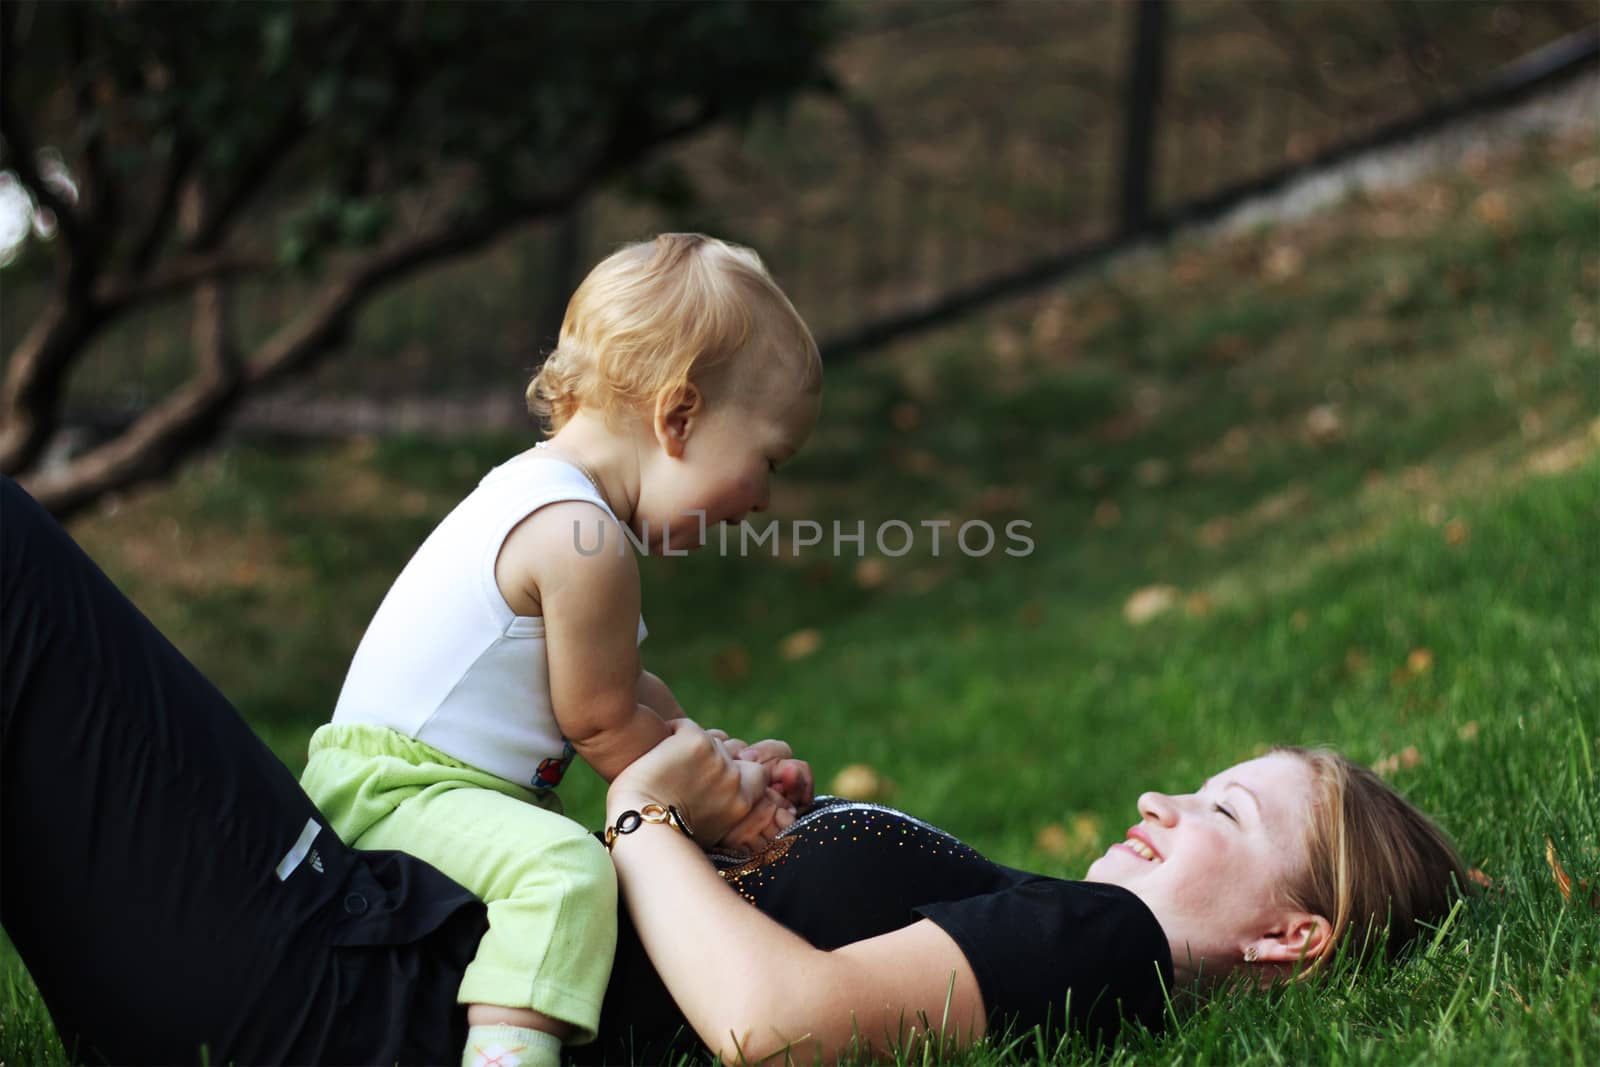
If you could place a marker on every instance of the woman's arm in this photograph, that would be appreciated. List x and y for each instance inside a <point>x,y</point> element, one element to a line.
<point>763,990</point>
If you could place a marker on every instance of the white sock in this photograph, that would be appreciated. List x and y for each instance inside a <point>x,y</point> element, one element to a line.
<point>510,1046</point>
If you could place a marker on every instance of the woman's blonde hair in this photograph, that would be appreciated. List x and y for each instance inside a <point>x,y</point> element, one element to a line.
<point>1376,867</point>
<point>654,316</point>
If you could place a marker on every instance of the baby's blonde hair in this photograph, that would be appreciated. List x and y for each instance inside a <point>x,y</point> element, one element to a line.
<point>656,315</point>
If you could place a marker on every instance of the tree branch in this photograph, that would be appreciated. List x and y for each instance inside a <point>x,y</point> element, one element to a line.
<point>290,128</point>
<point>118,291</point>
<point>191,415</point>
<point>195,413</point>
<point>35,379</point>
<point>98,203</point>
<point>159,224</point>
<point>216,351</point>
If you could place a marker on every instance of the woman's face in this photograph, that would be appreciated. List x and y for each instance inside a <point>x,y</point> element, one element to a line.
<point>1214,865</point>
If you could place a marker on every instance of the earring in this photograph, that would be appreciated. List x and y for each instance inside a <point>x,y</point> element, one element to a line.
<point>1251,954</point>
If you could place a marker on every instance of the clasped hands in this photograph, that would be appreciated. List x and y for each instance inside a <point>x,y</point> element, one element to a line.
<point>736,796</point>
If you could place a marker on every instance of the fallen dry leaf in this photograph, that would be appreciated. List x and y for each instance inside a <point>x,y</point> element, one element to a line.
<point>1468,730</point>
<point>820,573</point>
<point>1419,661</point>
<point>1418,479</point>
<point>1405,759</point>
<point>1119,429</point>
<point>1299,621</point>
<point>1477,877</point>
<point>1151,473</point>
<point>1561,458</point>
<point>1107,514</point>
<point>1050,325</point>
<point>1282,262</point>
<point>1388,224</point>
<point>905,416</point>
<point>1086,832</point>
<point>858,781</point>
<point>731,664</point>
<point>1281,504</point>
<point>1005,345</point>
<point>801,643</point>
<point>1082,837</point>
<point>1323,425</point>
<point>1214,533</point>
<point>1000,500</point>
<point>1563,880</point>
<point>918,461</point>
<point>871,573</point>
<point>1198,605</point>
<point>1229,348</point>
<point>1052,840</point>
<point>1493,207</point>
<point>1149,602</point>
<point>1456,532</point>
<point>1030,614</point>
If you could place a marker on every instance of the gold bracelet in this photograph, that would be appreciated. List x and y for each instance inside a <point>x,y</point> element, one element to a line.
<point>630,820</point>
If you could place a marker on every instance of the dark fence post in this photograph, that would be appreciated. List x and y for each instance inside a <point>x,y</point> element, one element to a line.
<point>1142,104</point>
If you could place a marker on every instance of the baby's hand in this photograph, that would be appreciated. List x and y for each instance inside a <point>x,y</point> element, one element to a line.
<point>789,776</point>
<point>770,817</point>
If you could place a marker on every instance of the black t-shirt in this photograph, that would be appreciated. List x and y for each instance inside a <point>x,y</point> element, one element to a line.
<point>1046,952</point>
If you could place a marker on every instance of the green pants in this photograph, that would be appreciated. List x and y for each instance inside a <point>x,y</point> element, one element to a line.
<point>549,885</point>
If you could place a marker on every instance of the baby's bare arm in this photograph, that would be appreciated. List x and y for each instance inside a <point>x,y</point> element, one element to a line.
<point>590,605</point>
<point>653,693</point>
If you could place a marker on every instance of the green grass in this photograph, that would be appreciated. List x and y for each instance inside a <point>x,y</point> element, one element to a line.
<point>1413,581</point>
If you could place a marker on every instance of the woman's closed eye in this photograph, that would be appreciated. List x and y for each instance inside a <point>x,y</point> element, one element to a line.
<point>1223,808</point>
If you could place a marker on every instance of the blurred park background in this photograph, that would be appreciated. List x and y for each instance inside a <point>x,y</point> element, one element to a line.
<point>1277,321</point>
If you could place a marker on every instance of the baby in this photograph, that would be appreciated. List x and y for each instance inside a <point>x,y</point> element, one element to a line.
<point>683,378</point>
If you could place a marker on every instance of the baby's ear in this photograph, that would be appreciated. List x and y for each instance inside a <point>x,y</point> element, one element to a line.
<point>677,411</point>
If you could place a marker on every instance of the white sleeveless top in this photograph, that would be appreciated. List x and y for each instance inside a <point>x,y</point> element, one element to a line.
<point>446,661</point>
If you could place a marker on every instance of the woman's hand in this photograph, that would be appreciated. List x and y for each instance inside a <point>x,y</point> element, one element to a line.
<point>692,771</point>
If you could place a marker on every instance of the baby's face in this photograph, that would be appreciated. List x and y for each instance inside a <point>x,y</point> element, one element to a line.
<point>725,471</point>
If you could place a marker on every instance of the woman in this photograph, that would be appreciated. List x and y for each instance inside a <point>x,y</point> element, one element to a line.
<point>891,929</point>
<point>176,897</point>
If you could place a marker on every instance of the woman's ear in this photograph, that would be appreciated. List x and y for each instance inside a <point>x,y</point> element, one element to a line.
<point>1300,939</point>
<point>677,411</point>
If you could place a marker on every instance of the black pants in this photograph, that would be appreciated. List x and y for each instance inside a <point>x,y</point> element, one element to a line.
<point>172,891</point>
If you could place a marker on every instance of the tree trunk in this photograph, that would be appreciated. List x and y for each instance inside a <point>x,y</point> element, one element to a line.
<point>30,400</point>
